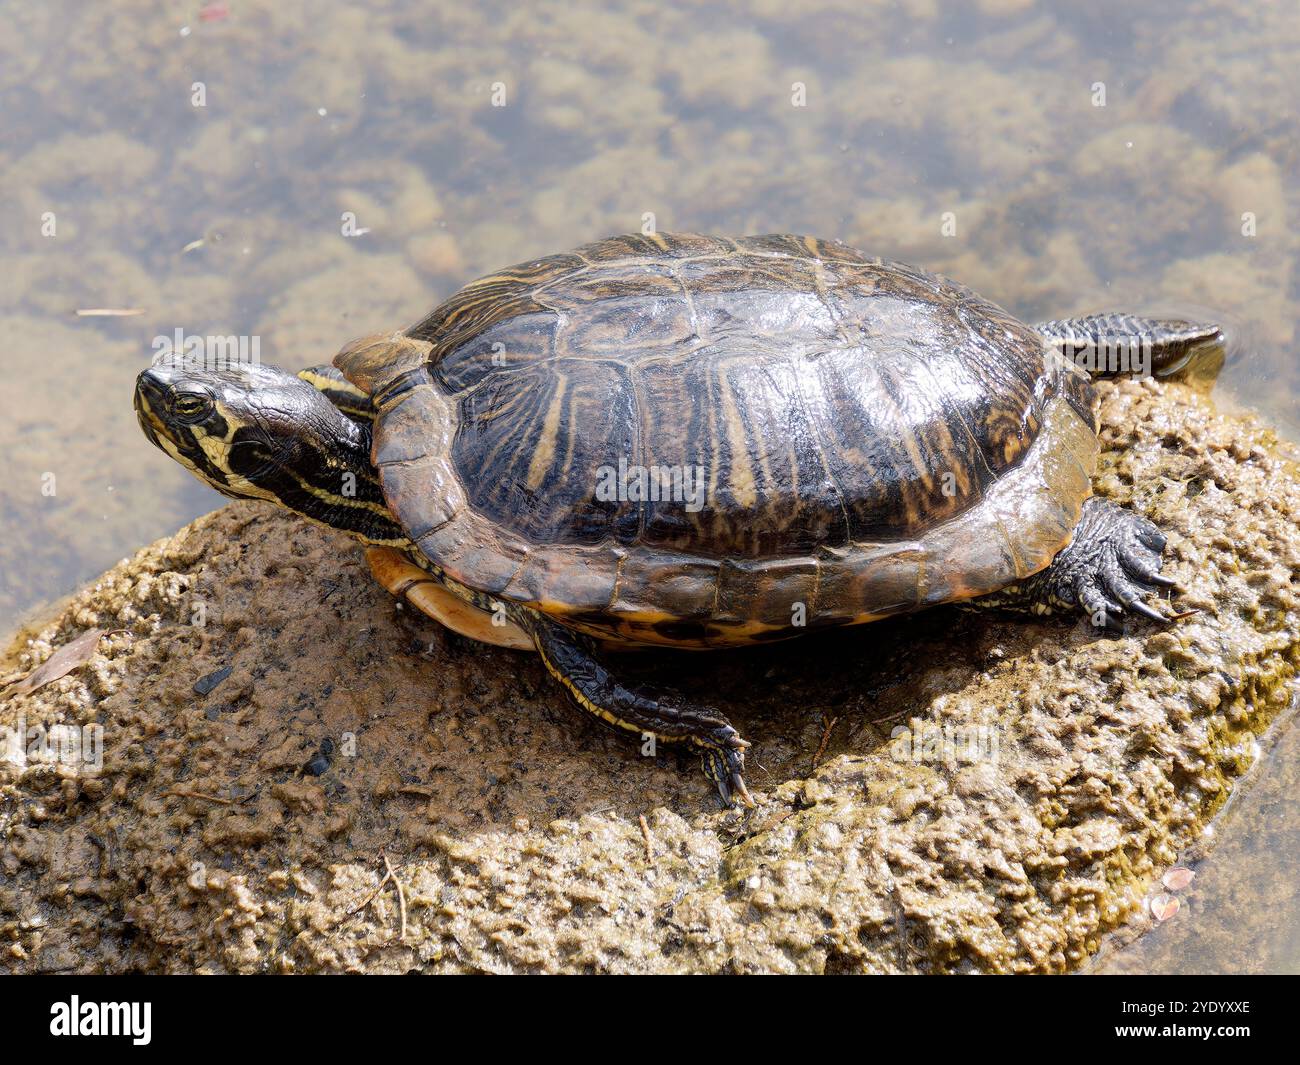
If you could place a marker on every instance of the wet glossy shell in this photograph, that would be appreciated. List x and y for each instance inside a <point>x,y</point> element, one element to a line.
<point>869,438</point>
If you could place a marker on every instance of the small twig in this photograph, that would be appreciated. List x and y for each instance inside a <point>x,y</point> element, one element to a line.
<point>826,736</point>
<point>401,895</point>
<point>649,842</point>
<point>199,795</point>
<point>372,896</point>
<point>905,712</point>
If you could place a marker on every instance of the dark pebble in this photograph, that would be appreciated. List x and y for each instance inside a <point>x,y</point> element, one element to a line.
<point>204,685</point>
<point>318,765</point>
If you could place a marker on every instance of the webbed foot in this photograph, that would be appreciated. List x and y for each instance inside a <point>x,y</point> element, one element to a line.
<point>1109,568</point>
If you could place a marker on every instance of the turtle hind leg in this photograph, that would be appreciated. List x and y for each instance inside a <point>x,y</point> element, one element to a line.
<point>1109,567</point>
<point>570,658</point>
<point>1107,345</point>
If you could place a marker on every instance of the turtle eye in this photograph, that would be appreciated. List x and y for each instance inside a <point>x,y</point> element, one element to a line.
<point>191,405</point>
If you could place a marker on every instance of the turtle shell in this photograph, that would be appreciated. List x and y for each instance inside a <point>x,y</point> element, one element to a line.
<point>701,441</point>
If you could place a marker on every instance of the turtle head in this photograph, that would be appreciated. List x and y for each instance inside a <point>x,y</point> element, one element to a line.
<point>256,432</point>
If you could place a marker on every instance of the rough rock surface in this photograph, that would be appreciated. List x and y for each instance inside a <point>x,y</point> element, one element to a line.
<point>250,829</point>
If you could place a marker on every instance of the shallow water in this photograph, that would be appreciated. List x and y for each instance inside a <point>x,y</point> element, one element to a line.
<point>1239,914</point>
<point>1055,159</point>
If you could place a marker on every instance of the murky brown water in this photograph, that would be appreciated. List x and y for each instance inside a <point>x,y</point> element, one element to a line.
<point>1055,157</point>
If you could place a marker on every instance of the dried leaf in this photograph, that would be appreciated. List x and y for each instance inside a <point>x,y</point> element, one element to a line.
<point>70,656</point>
<point>1178,878</point>
<point>1164,907</point>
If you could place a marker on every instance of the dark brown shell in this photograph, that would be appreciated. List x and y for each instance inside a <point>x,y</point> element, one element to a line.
<point>873,438</point>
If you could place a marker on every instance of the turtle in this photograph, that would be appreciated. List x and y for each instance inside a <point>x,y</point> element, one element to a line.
<point>696,442</point>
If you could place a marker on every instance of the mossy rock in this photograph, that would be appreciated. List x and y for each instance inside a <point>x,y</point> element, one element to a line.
<point>248,829</point>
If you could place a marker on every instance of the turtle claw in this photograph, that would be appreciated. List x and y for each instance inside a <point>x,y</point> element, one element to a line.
<point>1102,611</point>
<point>1109,569</point>
<point>1110,622</point>
<point>724,765</point>
<point>1128,561</point>
<point>1139,607</point>
<point>1129,596</point>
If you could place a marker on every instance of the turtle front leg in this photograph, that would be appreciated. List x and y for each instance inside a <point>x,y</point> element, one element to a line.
<point>340,391</point>
<point>1113,561</point>
<point>570,658</point>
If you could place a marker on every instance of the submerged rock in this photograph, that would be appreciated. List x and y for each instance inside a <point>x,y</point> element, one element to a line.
<point>948,792</point>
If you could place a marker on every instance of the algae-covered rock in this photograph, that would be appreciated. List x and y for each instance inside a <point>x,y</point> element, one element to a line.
<point>948,792</point>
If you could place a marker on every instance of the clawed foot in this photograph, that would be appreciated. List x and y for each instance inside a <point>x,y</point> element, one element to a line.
<point>1111,565</point>
<point>570,658</point>
<point>724,763</point>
